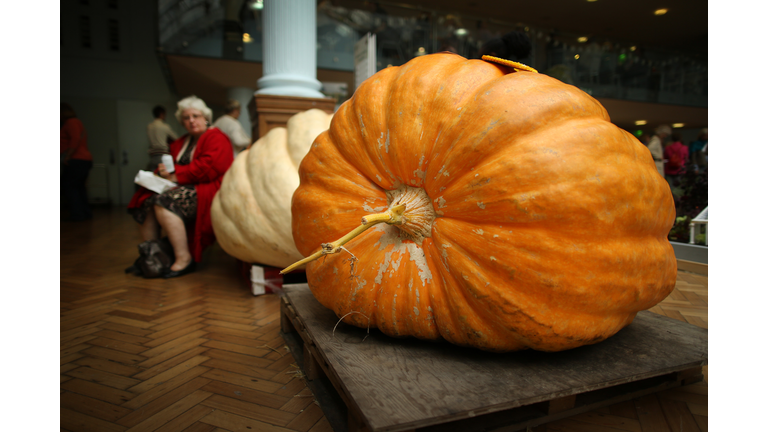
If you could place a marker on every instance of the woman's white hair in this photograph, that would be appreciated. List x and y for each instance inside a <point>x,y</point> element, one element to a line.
<point>664,129</point>
<point>196,103</point>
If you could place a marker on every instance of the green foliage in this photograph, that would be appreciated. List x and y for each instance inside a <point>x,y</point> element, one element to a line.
<point>680,232</point>
<point>692,198</point>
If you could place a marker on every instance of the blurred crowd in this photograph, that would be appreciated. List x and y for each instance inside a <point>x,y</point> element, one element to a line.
<point>684,166</point>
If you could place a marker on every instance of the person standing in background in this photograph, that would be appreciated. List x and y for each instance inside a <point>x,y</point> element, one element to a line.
<point>676,156</point>
<point>655,145</point>
<point>160,136</point>
<point>232,128</point>
<point>76,162</point>
<point>698,153</point>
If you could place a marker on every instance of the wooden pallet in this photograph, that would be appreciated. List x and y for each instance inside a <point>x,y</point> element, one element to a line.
<point>388,384</point>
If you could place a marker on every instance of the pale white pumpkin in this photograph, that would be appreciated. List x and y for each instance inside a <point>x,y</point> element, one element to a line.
<point>251,213</point>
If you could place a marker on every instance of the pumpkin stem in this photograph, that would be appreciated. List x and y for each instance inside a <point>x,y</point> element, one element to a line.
<point>393,216</point>
<point>513,64</point>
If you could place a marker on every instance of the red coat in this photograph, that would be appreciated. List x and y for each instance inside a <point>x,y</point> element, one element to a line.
<point>676,151</point>
<point>212,158</point>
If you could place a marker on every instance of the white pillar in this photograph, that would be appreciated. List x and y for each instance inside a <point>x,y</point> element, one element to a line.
<point>290,53</point>
<point>244,96</point>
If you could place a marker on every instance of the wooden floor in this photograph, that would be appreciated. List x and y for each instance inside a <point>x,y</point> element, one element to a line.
<point>200,353</point>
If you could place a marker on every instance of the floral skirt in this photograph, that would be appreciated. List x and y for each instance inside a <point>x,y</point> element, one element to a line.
<point>181,200</point>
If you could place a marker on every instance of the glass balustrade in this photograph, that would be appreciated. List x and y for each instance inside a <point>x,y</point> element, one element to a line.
<point>602,68</point>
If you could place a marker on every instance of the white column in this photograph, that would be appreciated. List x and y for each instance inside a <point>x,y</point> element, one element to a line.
<point>244,96</point>
<point>290,53</point>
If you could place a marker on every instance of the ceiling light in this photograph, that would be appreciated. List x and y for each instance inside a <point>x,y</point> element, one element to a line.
<point>576,56</point>
<point>582,39</point>
<point>660,11</point>
<point>460,32</point>
<point>247,38</point>
<point>678,125</point>
<point>257,4</point>
<point>640,122</point>
<point>590,1</point>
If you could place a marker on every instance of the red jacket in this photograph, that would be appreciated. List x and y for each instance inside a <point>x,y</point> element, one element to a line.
<point>675,152</point>
<point>73,135</point>
<point>211,159</point>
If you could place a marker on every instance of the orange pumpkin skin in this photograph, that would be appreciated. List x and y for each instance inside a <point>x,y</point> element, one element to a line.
<point>551,222</point>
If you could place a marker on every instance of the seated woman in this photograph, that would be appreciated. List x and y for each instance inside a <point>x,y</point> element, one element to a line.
<point>201,158</point>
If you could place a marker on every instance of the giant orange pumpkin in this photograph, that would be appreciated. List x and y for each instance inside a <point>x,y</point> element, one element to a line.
<point>529,221</point>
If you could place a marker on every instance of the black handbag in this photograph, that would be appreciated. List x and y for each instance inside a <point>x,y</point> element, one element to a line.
<point>155,258</point>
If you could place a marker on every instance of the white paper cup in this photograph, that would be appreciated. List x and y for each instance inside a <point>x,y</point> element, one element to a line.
<point>168,162</point>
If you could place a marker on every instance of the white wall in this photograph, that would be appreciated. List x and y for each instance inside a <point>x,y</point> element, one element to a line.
<point>105,86</point>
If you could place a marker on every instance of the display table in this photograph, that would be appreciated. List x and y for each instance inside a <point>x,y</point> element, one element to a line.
<point>271,111</point>
<point>389,384</point>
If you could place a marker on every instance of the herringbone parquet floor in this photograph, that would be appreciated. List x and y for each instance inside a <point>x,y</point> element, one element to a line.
<point>200,353</point>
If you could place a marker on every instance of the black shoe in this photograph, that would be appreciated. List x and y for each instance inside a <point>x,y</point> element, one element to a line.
<point>174,273</point>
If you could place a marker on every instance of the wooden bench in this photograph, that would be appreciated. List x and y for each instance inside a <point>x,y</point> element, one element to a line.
<point>389,384</point>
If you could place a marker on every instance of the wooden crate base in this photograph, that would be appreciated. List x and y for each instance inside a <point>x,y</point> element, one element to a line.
<point>367,381</point>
